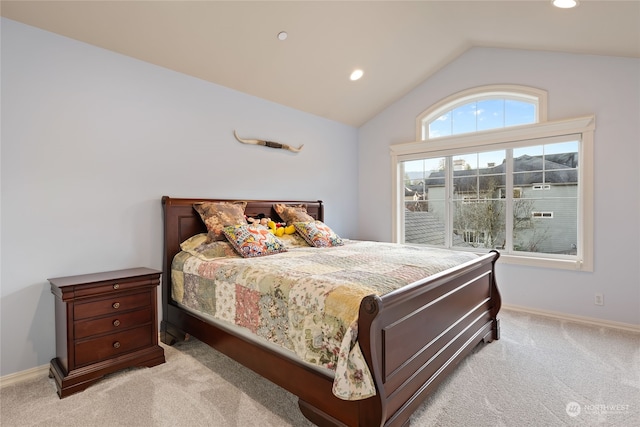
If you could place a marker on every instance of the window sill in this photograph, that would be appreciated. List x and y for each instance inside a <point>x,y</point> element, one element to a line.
<point>562,264</point>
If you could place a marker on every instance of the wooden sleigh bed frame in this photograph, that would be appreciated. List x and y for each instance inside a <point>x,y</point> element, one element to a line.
<point>411,338</point>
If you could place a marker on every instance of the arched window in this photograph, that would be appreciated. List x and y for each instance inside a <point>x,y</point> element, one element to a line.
<point>488,171</point>
<point>483,108</point>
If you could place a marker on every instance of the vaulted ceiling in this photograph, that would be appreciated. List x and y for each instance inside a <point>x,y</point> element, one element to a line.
<point>398,44</point>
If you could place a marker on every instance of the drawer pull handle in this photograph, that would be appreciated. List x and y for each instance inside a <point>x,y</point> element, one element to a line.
<point>116,286</point>
<point>116,344</point>
<point>116,305</point>
<point>116,322</point>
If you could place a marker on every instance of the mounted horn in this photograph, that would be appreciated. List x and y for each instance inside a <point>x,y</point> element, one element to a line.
<point>268,143</point>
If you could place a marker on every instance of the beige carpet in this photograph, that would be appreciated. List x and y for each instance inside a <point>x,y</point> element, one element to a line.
<point>543,372</point>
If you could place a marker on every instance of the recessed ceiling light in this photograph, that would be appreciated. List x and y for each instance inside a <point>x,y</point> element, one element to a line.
<point>565,4</point>
<point>282,35</point>
<point>356,75</point>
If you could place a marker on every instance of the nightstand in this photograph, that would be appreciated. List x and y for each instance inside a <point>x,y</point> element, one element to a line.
<point>104,322</point>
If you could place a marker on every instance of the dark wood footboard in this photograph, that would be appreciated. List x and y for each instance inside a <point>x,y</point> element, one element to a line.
<point>411,338</point>
<point>414,337</point>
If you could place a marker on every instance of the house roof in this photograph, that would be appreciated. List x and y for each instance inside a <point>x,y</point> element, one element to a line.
<point>425,228</point>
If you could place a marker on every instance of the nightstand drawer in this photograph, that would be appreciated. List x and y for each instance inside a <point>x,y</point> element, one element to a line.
<point>108,346</point>
<point>86,328</point>
<point>112,286</point>
<point>115,304</point>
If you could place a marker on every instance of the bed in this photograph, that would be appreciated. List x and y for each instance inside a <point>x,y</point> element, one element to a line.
<point>410,338</point>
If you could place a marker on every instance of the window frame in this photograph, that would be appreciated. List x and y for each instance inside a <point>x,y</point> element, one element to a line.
<point>508,137</point>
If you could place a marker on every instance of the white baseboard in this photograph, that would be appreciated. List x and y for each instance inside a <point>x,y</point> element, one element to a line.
<point>27,374</point>
<point>30,374</point>
<point>572,318</point>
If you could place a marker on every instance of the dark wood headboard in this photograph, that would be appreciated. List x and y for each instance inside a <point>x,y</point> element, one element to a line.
<point>181,221</point>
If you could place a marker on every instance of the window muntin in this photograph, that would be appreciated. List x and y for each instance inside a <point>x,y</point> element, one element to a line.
<point>569,202</point>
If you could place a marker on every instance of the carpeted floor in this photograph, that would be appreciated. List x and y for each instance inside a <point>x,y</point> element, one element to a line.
<point>542,372</point>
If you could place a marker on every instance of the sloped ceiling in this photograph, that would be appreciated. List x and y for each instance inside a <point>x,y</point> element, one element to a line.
<point>398,44</point>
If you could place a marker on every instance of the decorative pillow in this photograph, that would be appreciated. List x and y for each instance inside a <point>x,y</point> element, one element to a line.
<point>293,241</point>
<point>217,215</point>
<point>318,234</point>
<point>199,246</point>
<point>252,241</point>
<point>291,214</point>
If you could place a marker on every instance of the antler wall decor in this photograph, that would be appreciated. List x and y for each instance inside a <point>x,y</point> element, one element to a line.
<point>268,143</point>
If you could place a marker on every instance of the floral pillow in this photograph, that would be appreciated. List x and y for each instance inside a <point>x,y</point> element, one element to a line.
<point>253,241</point>
<point>291,214</point>
<point>199,246</point>
<point>318,234</point>
<point>217,215</point>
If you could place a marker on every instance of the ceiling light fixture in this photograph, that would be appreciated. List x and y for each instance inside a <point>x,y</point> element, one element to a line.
<point>356,75</point>
<point>282,35</point>
<point>565,4</point>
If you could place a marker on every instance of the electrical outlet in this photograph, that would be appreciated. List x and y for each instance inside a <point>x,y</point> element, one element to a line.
<point>599,300</point>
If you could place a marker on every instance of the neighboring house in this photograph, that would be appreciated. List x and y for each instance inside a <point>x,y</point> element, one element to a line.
<point>544,191</point>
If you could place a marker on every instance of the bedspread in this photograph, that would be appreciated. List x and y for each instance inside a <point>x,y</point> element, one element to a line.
<point>307,299</point>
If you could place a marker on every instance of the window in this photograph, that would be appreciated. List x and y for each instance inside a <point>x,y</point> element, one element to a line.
<point>542,214</point>
<point>506,180</point>
<point>486,108</point>
<point>541,187</point>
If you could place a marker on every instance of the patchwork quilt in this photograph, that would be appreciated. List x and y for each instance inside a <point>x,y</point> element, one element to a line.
<point>307,299</point>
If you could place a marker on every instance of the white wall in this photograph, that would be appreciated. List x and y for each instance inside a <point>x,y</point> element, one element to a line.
<point>577,85</point>
<point>90,142</point>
